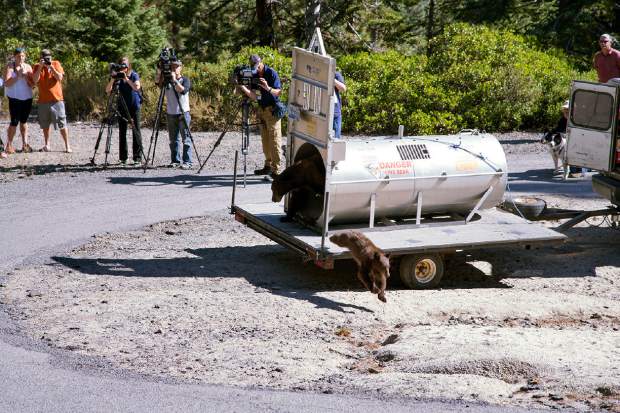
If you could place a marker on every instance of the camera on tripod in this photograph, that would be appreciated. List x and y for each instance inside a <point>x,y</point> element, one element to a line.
<point>242,75</point>
<point>116,70</point>
<point>166,58</point>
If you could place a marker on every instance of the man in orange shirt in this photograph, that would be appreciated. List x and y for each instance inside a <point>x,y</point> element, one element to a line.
<point>48,75</point>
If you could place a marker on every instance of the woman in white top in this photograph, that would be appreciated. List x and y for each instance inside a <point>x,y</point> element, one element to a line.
<point>18,84</point>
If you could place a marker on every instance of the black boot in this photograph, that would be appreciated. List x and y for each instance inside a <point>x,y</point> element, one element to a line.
<point>264,171</point>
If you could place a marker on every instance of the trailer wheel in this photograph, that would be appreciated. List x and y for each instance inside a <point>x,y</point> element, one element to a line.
<point>421,271</point>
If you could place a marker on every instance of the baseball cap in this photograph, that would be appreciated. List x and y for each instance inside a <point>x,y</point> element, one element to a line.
<point>254,61</point>
<point>46,52</point>
<point>19,50</point>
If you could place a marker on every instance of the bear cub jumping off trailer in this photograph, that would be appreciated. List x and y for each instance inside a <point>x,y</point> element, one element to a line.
<point>373,266</point>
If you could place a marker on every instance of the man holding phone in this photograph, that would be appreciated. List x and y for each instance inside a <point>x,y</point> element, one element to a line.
<point>48,75</point>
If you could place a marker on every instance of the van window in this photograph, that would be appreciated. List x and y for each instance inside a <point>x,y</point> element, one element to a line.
<point>592,110</point>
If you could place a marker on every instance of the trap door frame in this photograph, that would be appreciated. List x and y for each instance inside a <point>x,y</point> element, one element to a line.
<point>591,125</point>
<point>311,102</point>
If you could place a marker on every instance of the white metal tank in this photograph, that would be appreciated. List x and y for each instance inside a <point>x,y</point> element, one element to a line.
<point>452,174</point>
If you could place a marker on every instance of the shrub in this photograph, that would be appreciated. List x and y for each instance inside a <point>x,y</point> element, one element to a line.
<point>501,82</point>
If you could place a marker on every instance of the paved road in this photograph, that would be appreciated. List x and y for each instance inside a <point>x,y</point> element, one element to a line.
<point>48,215</point>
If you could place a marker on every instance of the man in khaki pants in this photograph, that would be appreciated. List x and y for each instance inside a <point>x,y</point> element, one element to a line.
<point>267,95</point>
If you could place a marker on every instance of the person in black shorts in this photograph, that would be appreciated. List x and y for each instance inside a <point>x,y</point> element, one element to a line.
<point>18,84</point>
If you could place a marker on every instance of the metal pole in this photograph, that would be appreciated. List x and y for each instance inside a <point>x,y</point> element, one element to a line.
<point>232,202</point>
<point>325,221</point>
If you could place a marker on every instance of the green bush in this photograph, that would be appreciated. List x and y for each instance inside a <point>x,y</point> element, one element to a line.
<point>499,80</point>
<point>476,78</point>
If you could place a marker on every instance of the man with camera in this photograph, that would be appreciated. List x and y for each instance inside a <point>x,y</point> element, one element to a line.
<point>177,111</point>
<point>266,91</point>
<point>128,83</point>
<point>48,75</point>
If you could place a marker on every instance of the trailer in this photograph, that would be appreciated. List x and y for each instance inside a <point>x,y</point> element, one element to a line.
<point>420,249</point>
<point>418,198</point>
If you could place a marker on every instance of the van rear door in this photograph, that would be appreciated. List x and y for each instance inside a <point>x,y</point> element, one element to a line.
<point>591,125</point>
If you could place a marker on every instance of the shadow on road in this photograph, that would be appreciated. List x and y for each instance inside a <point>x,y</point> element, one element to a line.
<point>543,181</point>
<point>52,168</point>
<point>266,267</point>
<point>188,180</point>
<point>273,269</point>
<point>587,249</point>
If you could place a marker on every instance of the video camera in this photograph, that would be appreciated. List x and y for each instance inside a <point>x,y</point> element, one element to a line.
<point>242,75</point>
<point>116,70</point>
<point>166,57</point>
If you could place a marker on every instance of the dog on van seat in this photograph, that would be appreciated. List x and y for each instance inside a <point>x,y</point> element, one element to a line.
<point>556,143</point>
<point>304,178</point>
<point>373,266</point>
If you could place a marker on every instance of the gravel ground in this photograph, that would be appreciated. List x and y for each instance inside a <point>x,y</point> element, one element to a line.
<point>205,299</point>
<point>83,137</point>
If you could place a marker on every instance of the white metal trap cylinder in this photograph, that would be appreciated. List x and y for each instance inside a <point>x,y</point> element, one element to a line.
<point>391,176</point>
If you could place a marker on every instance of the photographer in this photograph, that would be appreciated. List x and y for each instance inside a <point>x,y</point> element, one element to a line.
<point>129,88</point>
<point>48,75</point>
<point>176,111</point>
<point>267,95</point>
<point>18,86</point>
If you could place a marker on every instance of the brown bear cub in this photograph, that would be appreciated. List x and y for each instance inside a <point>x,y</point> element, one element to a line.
<point>373,266</point>
<point>304,179</point>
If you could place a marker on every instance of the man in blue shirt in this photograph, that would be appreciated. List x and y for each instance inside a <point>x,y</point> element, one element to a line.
<point>339,86</point>
<point>267,95</point>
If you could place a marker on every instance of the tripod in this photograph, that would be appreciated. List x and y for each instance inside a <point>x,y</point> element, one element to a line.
<point>112,114</point>
<point>167,84</point>
<point>245,135</point>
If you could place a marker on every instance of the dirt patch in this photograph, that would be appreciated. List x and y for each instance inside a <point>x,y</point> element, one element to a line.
<point>509,371</point>
<point>207,300</point>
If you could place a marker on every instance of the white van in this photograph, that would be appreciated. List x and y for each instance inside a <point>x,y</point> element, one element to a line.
<point>593,138</point>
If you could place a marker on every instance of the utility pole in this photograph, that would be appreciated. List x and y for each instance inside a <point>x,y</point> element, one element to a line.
<point>430,26</point>
<point>313,13</point>
<point>265,22</point>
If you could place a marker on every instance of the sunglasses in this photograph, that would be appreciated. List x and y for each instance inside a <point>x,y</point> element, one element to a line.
<point>603,41</point>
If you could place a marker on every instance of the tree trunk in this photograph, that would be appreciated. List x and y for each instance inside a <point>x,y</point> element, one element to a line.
<point>265,22</point>
<point>615,25</point>
<point>430,26</point>
<point>562,22</point>
<point>313,13</point>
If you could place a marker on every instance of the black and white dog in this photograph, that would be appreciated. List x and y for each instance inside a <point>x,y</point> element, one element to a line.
<point>556,143</point>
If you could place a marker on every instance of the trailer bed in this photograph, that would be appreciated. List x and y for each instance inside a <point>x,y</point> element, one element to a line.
<point>492,228</point>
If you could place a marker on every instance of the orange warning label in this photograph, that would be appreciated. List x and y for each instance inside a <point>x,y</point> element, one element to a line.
<point>395,167</point>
